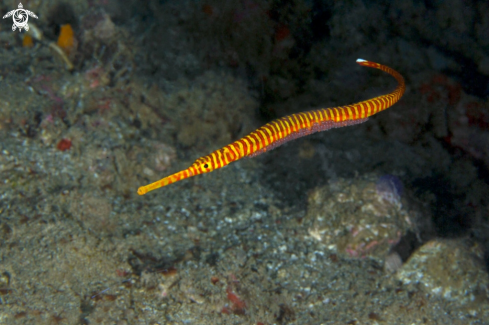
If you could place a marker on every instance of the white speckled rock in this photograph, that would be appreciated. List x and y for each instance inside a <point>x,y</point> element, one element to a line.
<point>447,268</point>
<point>361,217</point>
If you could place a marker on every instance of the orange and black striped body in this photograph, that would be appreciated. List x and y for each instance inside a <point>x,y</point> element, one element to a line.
<point>287,128</point>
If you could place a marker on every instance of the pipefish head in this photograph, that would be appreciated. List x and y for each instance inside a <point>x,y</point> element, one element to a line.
<point>202,165</point>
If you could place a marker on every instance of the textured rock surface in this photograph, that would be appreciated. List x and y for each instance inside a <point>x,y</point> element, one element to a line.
<point>448,269</point>
<point>359,218</point>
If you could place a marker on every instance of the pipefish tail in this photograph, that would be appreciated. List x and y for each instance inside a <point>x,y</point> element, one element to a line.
<point>287,128</point>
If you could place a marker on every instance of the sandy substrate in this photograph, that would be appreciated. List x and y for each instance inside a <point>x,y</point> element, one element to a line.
<point>380,223</point>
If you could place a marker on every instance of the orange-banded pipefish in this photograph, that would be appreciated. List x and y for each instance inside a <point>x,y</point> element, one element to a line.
<point>287,128</point>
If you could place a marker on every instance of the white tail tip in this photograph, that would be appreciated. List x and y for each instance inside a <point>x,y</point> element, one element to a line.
<point>361,60</point>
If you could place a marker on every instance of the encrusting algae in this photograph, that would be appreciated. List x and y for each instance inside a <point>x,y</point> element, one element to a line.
<point>66,39</point>
<point>27,41</point>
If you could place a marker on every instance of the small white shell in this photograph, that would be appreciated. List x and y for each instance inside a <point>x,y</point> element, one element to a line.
<point>393,262</point>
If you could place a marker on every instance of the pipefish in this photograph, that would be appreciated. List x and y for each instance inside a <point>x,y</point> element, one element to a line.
<point>284,129</point>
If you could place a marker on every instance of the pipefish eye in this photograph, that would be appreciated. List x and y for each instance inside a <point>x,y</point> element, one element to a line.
<point>206,166</point>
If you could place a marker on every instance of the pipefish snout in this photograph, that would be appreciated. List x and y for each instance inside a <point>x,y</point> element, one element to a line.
<point>284,129</point>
